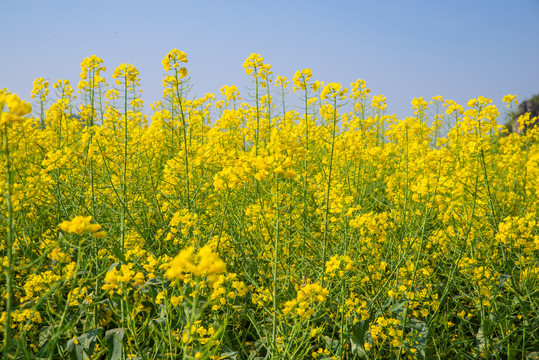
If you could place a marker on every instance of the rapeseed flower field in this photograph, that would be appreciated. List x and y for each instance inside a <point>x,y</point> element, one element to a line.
<point>244,227</point>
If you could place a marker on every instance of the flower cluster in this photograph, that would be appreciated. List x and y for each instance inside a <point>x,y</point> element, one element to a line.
<point>40,88</point>
<point>81,225</point>
<point>124,275</point>
<point>308,296</point>
<point>91,70</point>
<point>16,108</point>
<point>334,90</point>
<point>253,64</point>
<point>204,263</point>
<point>127,72</point>
<point>173,59</point>
<point>301,78</point>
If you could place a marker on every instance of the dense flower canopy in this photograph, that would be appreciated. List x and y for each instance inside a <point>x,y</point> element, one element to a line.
<point>244,226</point>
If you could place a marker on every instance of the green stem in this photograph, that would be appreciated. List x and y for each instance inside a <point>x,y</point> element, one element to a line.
<point>9,243</point>
<point>90,125</point>
<point>305,177</point>
<point>184,133</point>
<point>275,259</point>
<point>60,325</point>
<point>326,214</point>
<point>269,109</point>
<point>491,202</point>
<point>257,112</point>
<point>124,172</point>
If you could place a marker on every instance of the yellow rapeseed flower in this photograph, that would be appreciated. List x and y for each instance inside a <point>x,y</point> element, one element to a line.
<point>16,108</point>
<point>127,71</point>
<point>301,78</point>
<point>252,64</point>
<point>204,263</point>
<point>173,59</point>
<point>80,225</point>
<point>510,98</point>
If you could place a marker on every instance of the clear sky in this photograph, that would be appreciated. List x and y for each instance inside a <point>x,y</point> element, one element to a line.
<point>403,49</point>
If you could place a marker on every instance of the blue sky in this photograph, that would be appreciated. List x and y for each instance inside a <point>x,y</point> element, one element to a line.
<point>403,49</point>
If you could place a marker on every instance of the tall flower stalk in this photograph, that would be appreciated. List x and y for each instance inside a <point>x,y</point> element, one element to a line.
<point>89,86</point>
<point>176,85</point>
<point>335,92</point>
<point>127,78</point>
<point>16,108</point>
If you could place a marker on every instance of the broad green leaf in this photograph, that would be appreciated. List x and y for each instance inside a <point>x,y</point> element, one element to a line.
<point>357,339</point>
<point>88,340</point>
<point>44,335</point>
<point>420,341</point>
<point>397,307</point>
<point>75,350</point>
<point>115,339</point>
<point>82,347</point>
<point>232,355</point>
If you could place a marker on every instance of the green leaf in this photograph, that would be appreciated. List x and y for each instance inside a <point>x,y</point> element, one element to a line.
<point>332,345</point>
<point>44,335</point>
<point>75,350</point>
<point>480,340</point>
<point>514,349</point>
<point>152,285</point>
<point>357,339</point>
<point>119,253</point>
<point>232,355</point>
<point>504,278</point>
<point>258,345</point>
<point>82,347</point>
<point>88,341</point>
<point>112,267</point>
<point>115,339</point>
<point>155,282</point>
<point>398,307</point>
<point>422,334</point>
